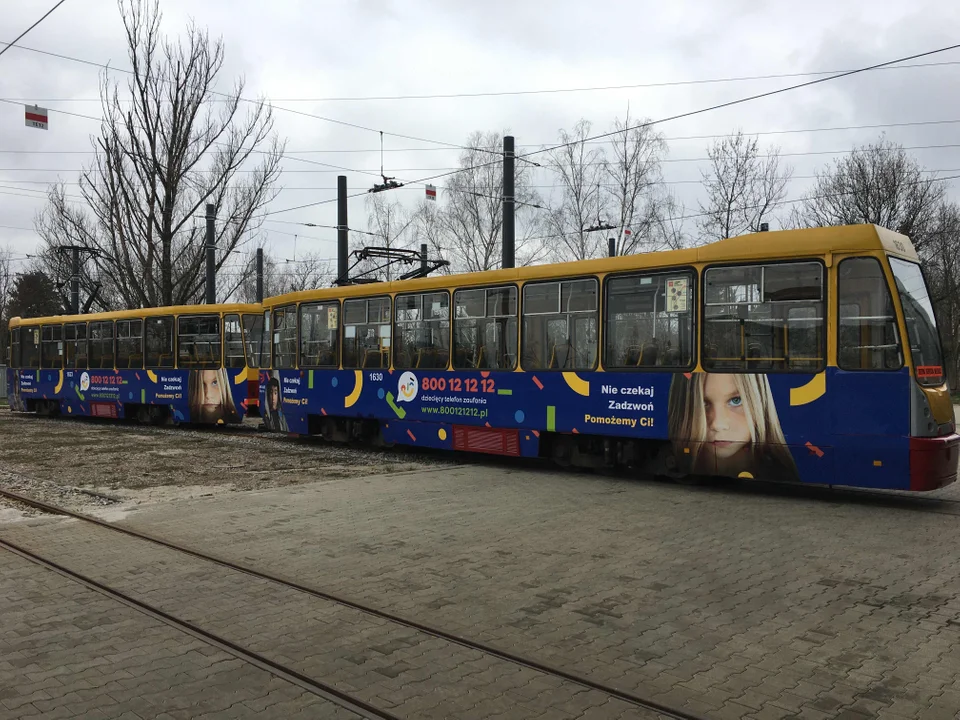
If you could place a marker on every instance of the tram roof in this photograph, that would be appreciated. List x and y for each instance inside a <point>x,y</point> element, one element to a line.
<point>141,313</point>
<point>775,245</point>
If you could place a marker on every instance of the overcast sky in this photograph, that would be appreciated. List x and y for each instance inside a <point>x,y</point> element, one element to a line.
<point>291,50</point>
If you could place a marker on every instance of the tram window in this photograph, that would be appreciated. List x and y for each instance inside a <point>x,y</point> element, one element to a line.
<point>485,329</point>
<point>51,346</point>
<point>75,345</point>
<point>319,330</point>
<point>765,318</point>
<point>560,325</point>
<point>233,341</point>
<point>100,345</point>
<point>129,344</point>
<point>159,342</point>
<point>423,331</point>
<point>198,341</point>
<point>868,336</point>
<point>920,321</point>
<point>366,333</point>
<point>15,348</point>
<point>649,321</point>
<point>30,347</point>
<point>253,339</point>
<point>285,337</point>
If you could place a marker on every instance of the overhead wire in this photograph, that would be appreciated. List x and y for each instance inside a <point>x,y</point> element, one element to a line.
<point>289,153</point>
<point>24,33</point>
<point>678,116</point>
<point>804,153</point>
<point>240,98</point>
<point>553,91</point>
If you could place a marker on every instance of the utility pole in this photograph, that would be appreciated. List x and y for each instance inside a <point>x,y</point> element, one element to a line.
<point>509,218</point>
<point>259,275</point>
<point>211,255</point>
<point>343,240</point>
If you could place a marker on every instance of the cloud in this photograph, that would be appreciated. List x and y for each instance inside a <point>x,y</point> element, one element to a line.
<point>299,49</point>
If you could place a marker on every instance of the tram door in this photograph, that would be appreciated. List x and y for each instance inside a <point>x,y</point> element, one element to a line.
<point>870,390</point>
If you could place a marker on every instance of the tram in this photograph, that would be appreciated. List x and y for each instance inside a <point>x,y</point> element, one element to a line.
<point>185,364</point>
<point>801,355</point>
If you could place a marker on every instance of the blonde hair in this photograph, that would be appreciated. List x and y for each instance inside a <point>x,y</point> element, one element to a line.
<point>228,409</point>
<point>688,419</point>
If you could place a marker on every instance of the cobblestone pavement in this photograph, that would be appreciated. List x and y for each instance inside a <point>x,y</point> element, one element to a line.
<point>736,601</point>
<point>389,666</point>
<point>67,651</point>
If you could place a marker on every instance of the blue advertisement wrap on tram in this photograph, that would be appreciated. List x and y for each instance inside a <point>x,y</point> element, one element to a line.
<point>193,396</point>
<point>776,426</point>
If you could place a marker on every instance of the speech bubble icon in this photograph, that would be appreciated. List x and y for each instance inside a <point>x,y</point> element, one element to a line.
<point>407,387</point>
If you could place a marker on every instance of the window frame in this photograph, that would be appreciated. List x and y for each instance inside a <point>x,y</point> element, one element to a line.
<point>694,313</point>
<point>75,343</point>
<point>113,346</point>
<point>129,323</point>
<point>173,342</point>
<point>518,317</point>
<point>887,272</point>
<point>336,349</point>
<point>598,312</point>
<point>825,300</point>
<point>287,309</point>
<point>887,265</point>
<point>38,345</point>
<point>224,318</point>
<point>60,345</point>
<point>394,324</point>
<point>189,316</point>
<point>14,360</point>
<point>343,328</point>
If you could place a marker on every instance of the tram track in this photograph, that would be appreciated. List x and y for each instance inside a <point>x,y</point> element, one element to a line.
<point>319,688</point>
<point>316,686</point>
<point>894,499</point>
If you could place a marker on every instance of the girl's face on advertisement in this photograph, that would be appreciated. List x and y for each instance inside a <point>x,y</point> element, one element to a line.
<point>727,428</point>
<point>210,394</point>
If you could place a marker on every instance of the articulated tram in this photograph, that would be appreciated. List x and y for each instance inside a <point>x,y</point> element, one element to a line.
<point>194,364</point>
<point>806,355</point>
<point>803,355</point>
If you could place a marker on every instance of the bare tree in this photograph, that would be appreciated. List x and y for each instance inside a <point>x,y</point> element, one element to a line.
<point>743,185</point>
<point>877,183</point>
<point>6,285</point>
<point>467,229</point>
<point>163,153</point>
<point>667,221</point>
<point>634,177</point>
<point>390,226</point>
<point>428,229</point>
<point>581,170</point>
<point>307,272</point>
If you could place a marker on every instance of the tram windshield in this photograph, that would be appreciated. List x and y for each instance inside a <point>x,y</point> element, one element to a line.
<point>921,322</point>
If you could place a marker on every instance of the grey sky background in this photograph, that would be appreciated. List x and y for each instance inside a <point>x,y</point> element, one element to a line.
<point>302,54</point>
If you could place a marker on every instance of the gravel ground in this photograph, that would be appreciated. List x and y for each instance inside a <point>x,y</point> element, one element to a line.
<point>74,462</point>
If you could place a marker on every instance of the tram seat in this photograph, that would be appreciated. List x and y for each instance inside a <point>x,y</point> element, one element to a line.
<point>649,354</point>
<point>561,355</point>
